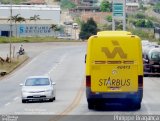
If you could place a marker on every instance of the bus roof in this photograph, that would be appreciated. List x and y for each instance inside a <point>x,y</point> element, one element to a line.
<point>104,33</point>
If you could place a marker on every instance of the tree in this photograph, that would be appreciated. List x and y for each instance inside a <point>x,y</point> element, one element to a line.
<point>157,7</point>
<point>109,18</point>
<point>120,27</point>
<point>55,28</point>
<point>20,20</point>
<point>88,29</point>
<point>140,23</point>
<point>144,23</point>
<point>105,6</point>
<point>149,24</point>
<point>35,18</point>
<point>141,6</point>
<point>5,1</point>
<point>67,4</point>
<point>140,16</point>
<point>15,19</point>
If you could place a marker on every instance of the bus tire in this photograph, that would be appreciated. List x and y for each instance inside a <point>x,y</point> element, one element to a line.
<point>90,106</point>
<point>137,106</point>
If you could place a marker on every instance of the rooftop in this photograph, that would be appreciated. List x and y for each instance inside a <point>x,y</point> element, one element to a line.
<point>132,4</point>
<point>31,7</point>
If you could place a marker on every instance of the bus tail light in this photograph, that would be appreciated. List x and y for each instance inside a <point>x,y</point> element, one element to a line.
<point>140,81</point>
<point>88,81</point>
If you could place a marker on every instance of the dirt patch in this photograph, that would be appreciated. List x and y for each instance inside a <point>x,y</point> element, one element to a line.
<point>6,68</point>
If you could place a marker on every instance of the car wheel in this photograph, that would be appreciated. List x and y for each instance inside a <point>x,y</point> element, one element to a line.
<point>54,98</point>
<point>51,100</point>
<point>24,101</point>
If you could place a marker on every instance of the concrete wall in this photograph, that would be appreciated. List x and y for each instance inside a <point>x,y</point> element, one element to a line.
<point>45,12</point>
<point>28,30</point>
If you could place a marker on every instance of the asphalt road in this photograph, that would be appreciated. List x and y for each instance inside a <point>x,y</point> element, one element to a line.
<point>64,62</point>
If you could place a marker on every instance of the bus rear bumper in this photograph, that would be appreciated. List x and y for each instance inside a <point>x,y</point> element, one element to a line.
<point>115,98</point>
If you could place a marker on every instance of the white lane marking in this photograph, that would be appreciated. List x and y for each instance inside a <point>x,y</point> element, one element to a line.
<point>36,58</point>
<point>16,98</point>
<point>34,113</point>
<point>55,66</point>
<point>7,104</point>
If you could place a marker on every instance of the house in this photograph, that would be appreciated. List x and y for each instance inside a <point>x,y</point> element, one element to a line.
<point>132,7</point>
<point>80,9</point>
<point>150,1</point>
<point>84,2</point>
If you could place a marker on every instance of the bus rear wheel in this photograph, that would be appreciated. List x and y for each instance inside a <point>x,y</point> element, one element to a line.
<point>90,106</point>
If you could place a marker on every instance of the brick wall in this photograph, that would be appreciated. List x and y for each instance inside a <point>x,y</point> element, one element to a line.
<point>99,17</point>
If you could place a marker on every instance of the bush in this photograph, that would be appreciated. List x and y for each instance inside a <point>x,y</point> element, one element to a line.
<point>156,8</point>
<point>149,24</point>
<point>105,6</point>
<point>119,27</point>
<point>87,29</point>
<point>140,16</point>
<point>25,40</point>
<point>142,34</point>
<point>143,23</point>
<point>67,4</point>
<point>109,18</point>
<point>13,1</point>
<point>105,27</point>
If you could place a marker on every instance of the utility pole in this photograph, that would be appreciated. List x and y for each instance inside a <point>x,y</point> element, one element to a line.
<point>124,18</point>
<point>75,34</point>
<point>10,35</point>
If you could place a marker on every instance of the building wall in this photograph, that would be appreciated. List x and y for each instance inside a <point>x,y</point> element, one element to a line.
<point>28,30</point>
<point>132,7</point>
<point>27,11</point>
<point>98,17</point>
<point>133,1</point>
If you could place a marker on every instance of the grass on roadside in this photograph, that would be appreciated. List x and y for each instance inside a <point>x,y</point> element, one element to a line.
<point>34,39</point>
<point>9,67</point>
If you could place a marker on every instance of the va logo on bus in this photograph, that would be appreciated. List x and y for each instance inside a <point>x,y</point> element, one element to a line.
<point>117,50</point>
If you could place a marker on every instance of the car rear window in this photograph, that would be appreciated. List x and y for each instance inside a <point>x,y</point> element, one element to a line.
<point>37,82</point>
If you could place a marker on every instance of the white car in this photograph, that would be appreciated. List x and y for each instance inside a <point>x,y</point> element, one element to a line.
<point>75,26</point>
<point>38,88</point>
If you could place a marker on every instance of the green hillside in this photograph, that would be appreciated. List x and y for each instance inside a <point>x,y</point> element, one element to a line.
<point>13,1</point>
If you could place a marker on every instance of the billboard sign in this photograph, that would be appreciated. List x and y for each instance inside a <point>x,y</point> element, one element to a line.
<point>118,9</point>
